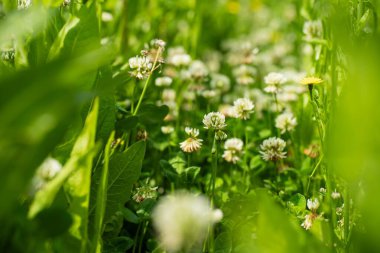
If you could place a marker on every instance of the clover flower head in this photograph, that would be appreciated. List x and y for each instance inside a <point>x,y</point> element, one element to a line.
<point>313,29</point>
<point>244,74</point>
<point>220,82</point>
<point>286,122</point>
<point>192,143</point>
<point>182,220</point>
<point>313,204</point>
<point>178,57</point>
<point>233,150</point>
<point>308,222</point>
<point>140,66</point>
<point>243,107</point>
<point>214,120</point>
<point>273,81</point>
<point>163,81</point>
<point>272,149</point>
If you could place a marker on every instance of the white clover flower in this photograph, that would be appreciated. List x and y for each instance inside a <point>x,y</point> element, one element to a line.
<point>313,29</point>
<point>46,172</point>
<point>158,43</point>
<point>243,107</point>
<point>220,135</point>
<point>163,81</point>
<point>335,195</point>
<point>308,222</point>
<point>178,57</point>
<point>233,150</point>
<point>192,143</point>
<point>198,70</point>
<point>192,132</point>
<point>106,16</point>
<point>273,81</point>
<point>182,221</point>
<point>49,169</point>
<point>220,82</point>
<point>209,94</point>
<point>168,95</point>
<point>322,190</point>
<point>167,129</point>
<point>214,120</point>
<point>313,204</point>
<point>23,4</point>
<point>227,110</point>
<point>286,122</point>
<point>244,74</point>
<point>140,66</point>
<point>272,149</point>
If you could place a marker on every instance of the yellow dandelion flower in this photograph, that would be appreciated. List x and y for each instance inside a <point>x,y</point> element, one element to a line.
<point>311,80</point>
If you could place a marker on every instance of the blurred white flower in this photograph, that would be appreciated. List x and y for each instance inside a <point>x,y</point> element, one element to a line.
<point>178,57</point>
<point>46,172</point>
<point>24,4</point>
<point>182,221</point>
<point>272,149</point>
<point>308,222</point>
<point>233,149</point>
<point>163,81</point>
<point>106,16</point>
<point>198,70</point>
<point>140,66</point>
<point>313,204</point>
<point>220,82</point>
<point>286,122</point>
<point>244,74</point>
<point>192,143</point>
<point>167,129</point>
<point>168,95</point>
<point>158,43</point>
<point>227,110</point>
<point>335,195</point>
<point>313,29</point>
<point>273,81</point>
<point>209,94</point>
<point>49,169</point>
<point>243,107</point>
<point>214,120</point>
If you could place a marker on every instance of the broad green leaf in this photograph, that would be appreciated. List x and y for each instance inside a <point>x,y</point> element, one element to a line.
<point>152,114</point>
<point>53,222</point>
<point>83,151</point>
<point>60,39</point>
<point>79,182</point>
<point>124,171</point>
<point>223,243</point>
<point>297,203</point>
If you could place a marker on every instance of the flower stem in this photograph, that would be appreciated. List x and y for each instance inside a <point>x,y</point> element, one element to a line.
<point>147,82</point>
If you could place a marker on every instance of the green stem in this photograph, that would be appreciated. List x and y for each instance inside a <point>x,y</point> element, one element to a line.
<point>147,82</point>
<point>346,216</point>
